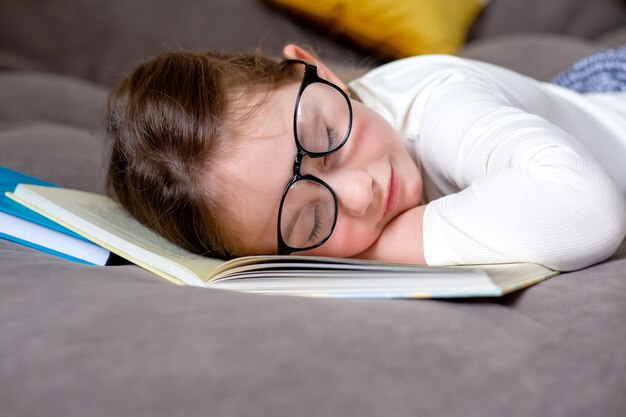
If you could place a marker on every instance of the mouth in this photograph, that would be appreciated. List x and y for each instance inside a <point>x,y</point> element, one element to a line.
<point>392,193</point>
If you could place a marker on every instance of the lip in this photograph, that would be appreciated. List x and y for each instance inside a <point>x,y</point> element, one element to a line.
<point>392,193</point>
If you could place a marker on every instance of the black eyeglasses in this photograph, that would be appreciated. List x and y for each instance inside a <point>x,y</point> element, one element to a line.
<point>321,125</point>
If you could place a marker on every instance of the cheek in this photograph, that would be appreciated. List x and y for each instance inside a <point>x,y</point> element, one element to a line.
<point>378,138</point>
<point>349,238</point>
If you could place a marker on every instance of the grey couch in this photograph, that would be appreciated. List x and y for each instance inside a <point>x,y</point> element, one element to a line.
<point>112,341</point>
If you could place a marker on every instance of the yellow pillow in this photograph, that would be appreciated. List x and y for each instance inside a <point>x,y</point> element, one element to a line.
<point>392,28</point>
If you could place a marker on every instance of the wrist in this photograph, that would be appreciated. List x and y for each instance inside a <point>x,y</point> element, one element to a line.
<point>401,240</point>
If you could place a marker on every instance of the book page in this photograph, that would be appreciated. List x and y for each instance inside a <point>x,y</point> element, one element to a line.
<point>514,276</point>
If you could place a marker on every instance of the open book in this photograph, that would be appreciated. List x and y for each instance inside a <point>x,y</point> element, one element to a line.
<point>103,221</point>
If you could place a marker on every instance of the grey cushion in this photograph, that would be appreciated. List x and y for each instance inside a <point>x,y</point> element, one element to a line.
<point>536,55</point>
<point>576,18</point>
<point>614,38</point>
<point>101,42</point>
<point>43,97</point>
<point>111,341</point>
<point>51,127</point>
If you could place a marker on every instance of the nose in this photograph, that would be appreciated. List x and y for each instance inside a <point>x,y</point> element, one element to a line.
<point>354,190</point>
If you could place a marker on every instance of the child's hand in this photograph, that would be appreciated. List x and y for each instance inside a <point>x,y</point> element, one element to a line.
<point>401,240</point>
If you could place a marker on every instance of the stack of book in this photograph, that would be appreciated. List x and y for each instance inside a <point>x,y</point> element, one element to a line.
<point>24,226</point>
<point>34,208</point>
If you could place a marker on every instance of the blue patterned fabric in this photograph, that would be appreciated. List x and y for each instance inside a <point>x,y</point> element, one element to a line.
<point>602,72</point>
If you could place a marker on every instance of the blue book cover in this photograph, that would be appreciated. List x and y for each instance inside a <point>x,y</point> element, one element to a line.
<point>9,179</point>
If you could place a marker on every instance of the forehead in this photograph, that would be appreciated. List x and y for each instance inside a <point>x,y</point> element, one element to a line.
<point>255,166</point>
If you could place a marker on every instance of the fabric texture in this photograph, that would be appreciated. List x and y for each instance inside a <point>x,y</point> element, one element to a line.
<point>514,170</point>
<point>117,341</point>
<point>100,43</point>
<point>539,56</point>
<point>578,19</point>
<point>392,28</point>
<point>599,73</point>
<point>81,340</point>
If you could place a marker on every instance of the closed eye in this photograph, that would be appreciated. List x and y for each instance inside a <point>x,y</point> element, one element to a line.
<point>332,137</point>
<point>332,141</point>
<point>315,235</point>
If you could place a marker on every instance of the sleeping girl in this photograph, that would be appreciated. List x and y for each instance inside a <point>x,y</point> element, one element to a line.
<point>431,160</point>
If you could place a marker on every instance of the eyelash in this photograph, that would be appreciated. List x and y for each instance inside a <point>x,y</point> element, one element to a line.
<point>332,138</point>
<point>317,226</point>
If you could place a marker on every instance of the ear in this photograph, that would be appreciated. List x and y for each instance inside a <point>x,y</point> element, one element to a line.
<point>293,51</point>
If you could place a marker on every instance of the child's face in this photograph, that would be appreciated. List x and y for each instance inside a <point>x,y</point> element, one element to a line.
<point>373,177</point>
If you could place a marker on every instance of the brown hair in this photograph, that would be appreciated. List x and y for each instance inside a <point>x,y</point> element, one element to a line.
<point>167,123</point>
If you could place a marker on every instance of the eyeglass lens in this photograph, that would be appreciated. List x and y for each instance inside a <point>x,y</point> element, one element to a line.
<point>308,214</point>
<point>322,118</point>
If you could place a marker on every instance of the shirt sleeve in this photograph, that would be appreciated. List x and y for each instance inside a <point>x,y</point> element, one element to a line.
<point>517,188</point>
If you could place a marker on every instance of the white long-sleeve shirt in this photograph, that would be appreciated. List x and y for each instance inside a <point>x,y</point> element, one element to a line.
<point>515,170</point>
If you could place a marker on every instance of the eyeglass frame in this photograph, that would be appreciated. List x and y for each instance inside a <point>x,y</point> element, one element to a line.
<point>310,77</point>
